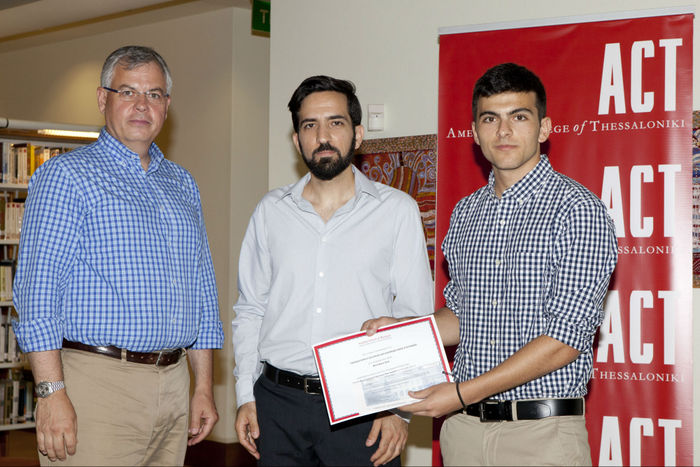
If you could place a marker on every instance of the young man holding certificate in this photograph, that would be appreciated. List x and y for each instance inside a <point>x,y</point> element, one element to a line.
<point>530,256</point>
<point>319,258</point>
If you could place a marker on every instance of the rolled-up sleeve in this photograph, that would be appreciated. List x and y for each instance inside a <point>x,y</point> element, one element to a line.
<point>585,257</point>
<point>47,252</point>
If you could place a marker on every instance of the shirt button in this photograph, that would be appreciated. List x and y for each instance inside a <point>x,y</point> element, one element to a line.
<point>493,342</point>
<point>521,201</point>
<point>321,274</point>
<point>318,310</point>
<point>324,239</point>
<point>498,262</point>
<point>494,303</point>
<point>502,222</point>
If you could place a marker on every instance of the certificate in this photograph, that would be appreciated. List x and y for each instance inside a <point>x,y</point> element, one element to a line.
<point>361,375</point>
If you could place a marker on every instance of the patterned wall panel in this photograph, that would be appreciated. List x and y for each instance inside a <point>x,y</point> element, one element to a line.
<point>408,164</point>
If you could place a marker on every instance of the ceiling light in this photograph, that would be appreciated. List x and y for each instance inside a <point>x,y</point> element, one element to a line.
<point>69,133</point>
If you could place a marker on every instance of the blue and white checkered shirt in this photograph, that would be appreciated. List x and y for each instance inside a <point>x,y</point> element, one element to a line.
<point>535,262</point>
<point>111,254</point>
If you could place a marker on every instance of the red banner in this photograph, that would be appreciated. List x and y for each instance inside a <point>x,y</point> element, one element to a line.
<point>619,92</point>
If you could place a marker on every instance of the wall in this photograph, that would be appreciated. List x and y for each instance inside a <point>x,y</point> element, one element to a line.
<point>249,164</point>
<point>390,50</point>
<point>216,127</point>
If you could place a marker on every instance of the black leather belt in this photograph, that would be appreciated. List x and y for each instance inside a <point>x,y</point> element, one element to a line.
<point>308,384</point>
<point>162,358</point>
<point>497,411</point>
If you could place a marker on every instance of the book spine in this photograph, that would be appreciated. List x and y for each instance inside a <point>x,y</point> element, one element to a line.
<point>14,416</point>
<point>29,403</point>
<point>3,335</point>
<point>12,165</point>
<point>12,347</point>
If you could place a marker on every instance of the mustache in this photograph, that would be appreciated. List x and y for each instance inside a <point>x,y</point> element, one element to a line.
<point>325,147</point>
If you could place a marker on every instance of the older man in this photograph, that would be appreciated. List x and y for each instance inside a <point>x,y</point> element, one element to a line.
<point>115,285</point>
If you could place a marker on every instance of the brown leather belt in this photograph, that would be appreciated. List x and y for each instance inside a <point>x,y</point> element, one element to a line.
<point>162,358</point>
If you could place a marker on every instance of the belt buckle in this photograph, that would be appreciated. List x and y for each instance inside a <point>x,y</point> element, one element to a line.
<point>160,354</point>
<point>306,386</point>
<point>502,413</point>
<point>482,410</point>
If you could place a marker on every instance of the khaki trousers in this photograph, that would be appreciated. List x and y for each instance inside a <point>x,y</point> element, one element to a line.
<point>464,440</point>
<point>128,413</point>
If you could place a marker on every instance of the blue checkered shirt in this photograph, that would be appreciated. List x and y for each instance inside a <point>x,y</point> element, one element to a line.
<point>111,254</point>
<point>535,262</point>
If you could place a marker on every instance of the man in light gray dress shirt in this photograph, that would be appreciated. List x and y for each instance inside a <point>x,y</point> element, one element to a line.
<point>319,258</point>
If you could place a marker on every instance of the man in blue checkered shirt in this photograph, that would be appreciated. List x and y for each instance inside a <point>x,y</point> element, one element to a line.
<point>530,257</point>
<point>114,281</point>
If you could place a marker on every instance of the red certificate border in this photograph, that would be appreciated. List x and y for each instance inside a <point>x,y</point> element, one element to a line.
<point>322,374</point>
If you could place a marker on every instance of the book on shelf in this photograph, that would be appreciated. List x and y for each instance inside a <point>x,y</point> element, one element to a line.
<point>9,349</point>
<point>17,398</point>
<point>29,399</point>
<point>44,156</point>
<point>14,212</point>
<point>32,155</point>
<point>7,395</point>
<point>14,413</point>
<point>13,353</point>
<point>6,267</point>
<point>36,156</point>
<point>2,401</point>
<point>20,160</point>
<point>21,151</point>
<point>21,400</point>
<point>4,323</point>
<point>8,163</point>
<point>3,203</point>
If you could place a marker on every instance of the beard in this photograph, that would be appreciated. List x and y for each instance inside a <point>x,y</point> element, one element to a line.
<point>328,168</point>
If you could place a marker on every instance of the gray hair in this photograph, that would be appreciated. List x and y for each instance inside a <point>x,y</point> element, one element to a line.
<point>130,57</point>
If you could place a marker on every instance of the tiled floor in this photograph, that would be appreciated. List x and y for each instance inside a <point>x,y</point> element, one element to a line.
<point>21,451</point>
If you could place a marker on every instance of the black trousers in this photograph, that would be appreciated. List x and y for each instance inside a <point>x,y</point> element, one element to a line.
<point>294,430</point>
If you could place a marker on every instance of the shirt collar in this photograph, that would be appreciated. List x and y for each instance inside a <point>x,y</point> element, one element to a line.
<point>362,185</point>
<point>125,155</point>
<point>527,185</point>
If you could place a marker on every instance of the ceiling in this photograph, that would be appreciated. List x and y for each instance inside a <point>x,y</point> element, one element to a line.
<point>20,19</point>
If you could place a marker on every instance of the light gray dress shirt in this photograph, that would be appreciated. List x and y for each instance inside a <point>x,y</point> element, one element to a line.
<point>302,280</point>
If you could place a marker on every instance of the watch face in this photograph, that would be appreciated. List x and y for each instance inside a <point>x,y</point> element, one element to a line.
<point>43,389</point>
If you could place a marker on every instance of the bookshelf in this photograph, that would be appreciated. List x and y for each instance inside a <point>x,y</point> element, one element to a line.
<point>21,152</point>
<point>16,385</point>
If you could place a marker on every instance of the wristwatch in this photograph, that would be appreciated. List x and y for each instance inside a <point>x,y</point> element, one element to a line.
<point>46,388</point>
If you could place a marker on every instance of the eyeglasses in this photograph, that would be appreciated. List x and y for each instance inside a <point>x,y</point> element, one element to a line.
<point>129,95</point>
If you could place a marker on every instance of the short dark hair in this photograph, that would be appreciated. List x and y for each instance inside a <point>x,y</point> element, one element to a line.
<point>509,77</point>
<point>325,83</point>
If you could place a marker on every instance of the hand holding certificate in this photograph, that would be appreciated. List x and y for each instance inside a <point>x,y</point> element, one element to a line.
<point>363,374</point>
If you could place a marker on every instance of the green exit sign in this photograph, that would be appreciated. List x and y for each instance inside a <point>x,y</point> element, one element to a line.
<point>261,16</point>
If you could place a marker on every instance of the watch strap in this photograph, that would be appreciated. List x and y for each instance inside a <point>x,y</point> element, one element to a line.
<point>45,388</point>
